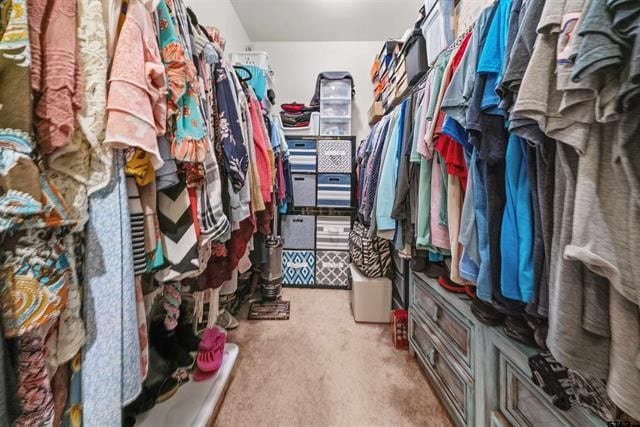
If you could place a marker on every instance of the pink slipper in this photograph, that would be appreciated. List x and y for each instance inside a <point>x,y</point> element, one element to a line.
<point>210,354</point>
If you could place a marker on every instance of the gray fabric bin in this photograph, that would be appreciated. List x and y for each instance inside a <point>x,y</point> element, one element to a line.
<point>304,190</point>
<point>298,231</point>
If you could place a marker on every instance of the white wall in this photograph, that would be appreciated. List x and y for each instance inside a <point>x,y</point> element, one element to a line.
<point>297,64</point>
<point>222,15</point>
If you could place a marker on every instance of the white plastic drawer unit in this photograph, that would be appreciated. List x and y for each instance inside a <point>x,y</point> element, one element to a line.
<point>331,126</point>
<point>335,108</point>
<point>335,89</point>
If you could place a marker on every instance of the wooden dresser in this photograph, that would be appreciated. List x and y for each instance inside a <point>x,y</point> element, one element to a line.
<point>481,376</point>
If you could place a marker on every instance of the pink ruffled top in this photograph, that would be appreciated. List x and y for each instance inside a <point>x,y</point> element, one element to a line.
<point>136,104</point>
<point>55,72</point>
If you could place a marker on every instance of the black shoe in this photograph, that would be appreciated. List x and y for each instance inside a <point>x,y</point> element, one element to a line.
<point>186,337</point>
<point>553,378</point>
<point>486,314</point>
<point>168,346</point>
<point>516,327</point>
<point>159,386</point>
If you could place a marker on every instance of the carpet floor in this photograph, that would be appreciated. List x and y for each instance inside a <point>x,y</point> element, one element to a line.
<point>321,368</point>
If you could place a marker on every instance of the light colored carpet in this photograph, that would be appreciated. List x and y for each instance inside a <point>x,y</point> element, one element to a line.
<point>321,368</point>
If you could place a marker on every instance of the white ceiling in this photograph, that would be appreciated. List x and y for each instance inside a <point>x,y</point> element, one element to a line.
<point>325,20</point>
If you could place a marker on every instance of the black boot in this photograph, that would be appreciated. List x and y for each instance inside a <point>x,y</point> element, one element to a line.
<point>168,345</point>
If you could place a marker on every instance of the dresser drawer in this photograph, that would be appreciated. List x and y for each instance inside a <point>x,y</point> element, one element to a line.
<point>454,386</point>
<point>498,420</point>
<point>452,328</point>
<point>522,403</point>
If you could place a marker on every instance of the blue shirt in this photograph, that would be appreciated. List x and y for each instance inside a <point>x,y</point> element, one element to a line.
<point>389,176</point>
<point>516,243</point>
<point>491,61</point>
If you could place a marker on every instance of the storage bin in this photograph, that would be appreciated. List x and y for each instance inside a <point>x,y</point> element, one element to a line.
<point>332,268</point>
<point>334,190</point>
<point>335,108</point>
<point>335,156</point>
<point>259,59</point>
<point>370,298</point>
<point>335,89</point>
<point>298,267</point>
<point>304,190</point>
<point>302,155</point>
<point>332,232</point>
<point>331,126</point>
<point>312,130</point>
<point>298,231</point>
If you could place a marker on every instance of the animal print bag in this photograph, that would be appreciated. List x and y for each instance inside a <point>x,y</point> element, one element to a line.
<point>372,256</point>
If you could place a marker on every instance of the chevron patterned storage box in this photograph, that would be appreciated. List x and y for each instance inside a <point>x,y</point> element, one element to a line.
<point>332,233</point>
<point>304,190</point>
<point>332,268</point>
<point>298,231</point>
<point>334,156</point>
<point>334,190</point>
<point>302,155</point>
<point>298,268</point>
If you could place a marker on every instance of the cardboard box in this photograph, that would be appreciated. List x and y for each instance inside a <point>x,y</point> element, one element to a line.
<point>375,113</point>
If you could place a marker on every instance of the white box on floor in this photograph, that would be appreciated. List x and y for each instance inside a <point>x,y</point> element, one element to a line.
<point>370,298</point>
<point>195,404</point>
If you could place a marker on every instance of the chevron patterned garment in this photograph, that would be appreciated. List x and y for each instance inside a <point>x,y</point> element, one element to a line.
<point>334,190</point>
<point>302,155</point>
<point>332,233</point>
<point>332,268</point>
<point>178,234</point>
<point>298,268</point>
<point>334,156</point>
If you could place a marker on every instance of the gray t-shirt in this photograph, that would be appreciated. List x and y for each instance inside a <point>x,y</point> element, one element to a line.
<point>578,334</point>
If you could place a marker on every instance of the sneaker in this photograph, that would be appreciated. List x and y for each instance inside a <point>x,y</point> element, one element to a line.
<point>227,321</point>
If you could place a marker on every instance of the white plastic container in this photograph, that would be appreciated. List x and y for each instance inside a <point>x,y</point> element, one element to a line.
<point>195,404</point>
<point>311,130</point>
<point>335,89</point>
<point>335,108</point>
<point>370,298</point>
<point>335,126</point>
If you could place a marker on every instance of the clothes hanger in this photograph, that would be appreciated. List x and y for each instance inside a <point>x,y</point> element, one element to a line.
<point>246,70</point>
<point>193,17</point>
<point>461,37</point>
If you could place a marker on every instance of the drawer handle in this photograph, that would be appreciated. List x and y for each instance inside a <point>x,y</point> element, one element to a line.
<point>435,316</point>
<point>431,357</point>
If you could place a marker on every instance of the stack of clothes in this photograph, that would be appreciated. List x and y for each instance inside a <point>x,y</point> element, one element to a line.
<point>296,115</point>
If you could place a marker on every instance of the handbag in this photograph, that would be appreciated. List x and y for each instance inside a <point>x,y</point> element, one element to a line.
<point>416,57</point>
<point>372,255</point>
